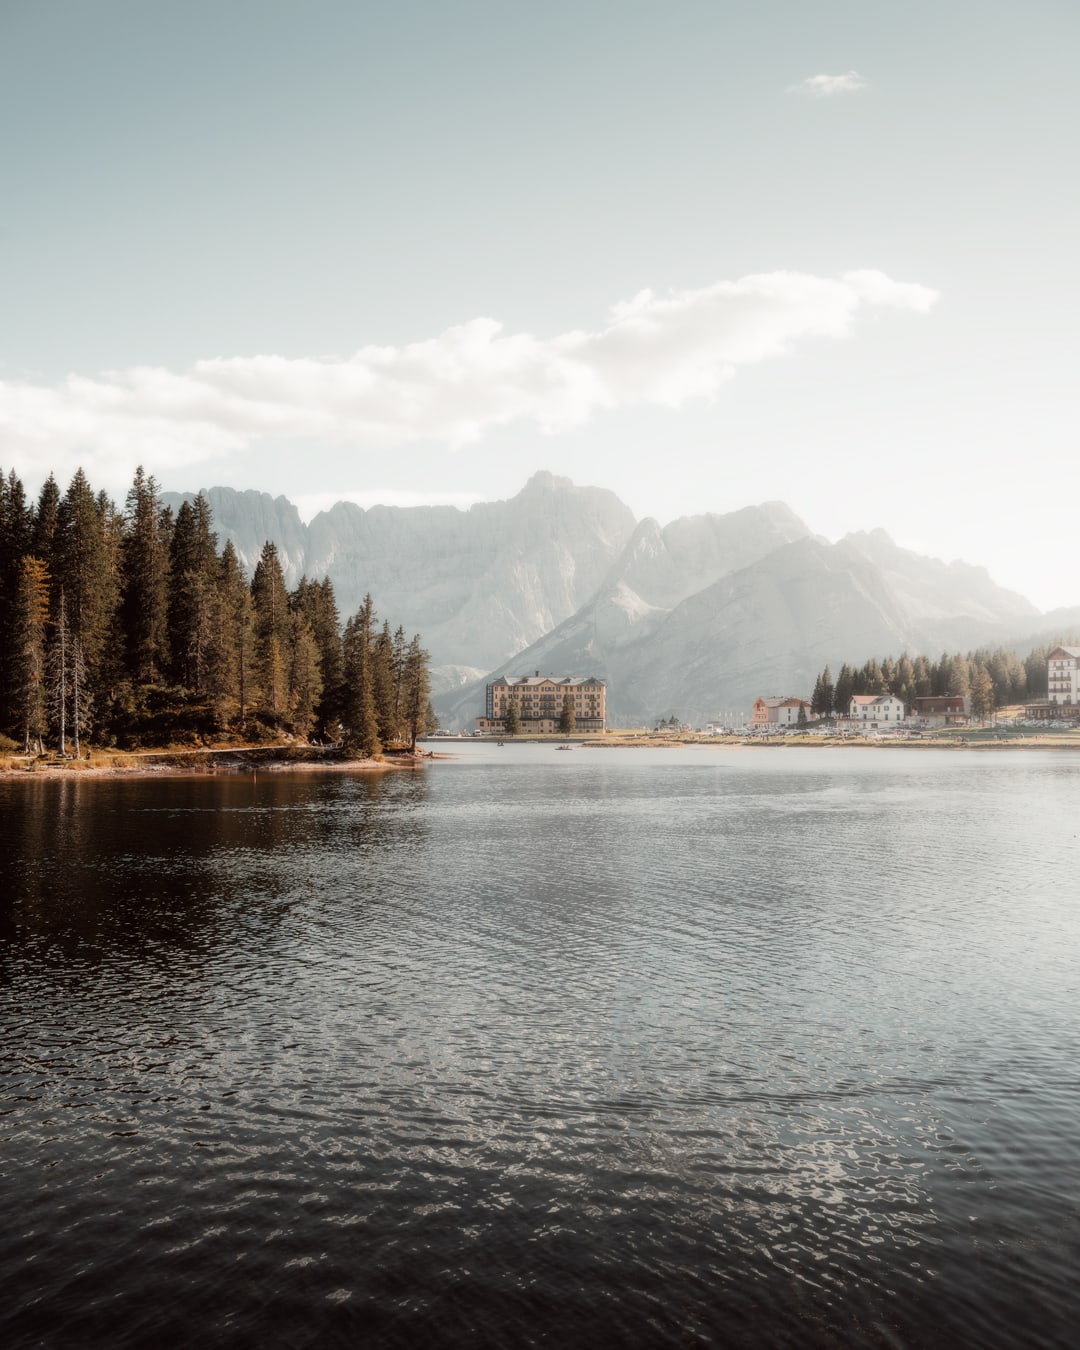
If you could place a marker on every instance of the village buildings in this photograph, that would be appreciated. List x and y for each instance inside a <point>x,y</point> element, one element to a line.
<point>539,701</point>
<point>780,712</point>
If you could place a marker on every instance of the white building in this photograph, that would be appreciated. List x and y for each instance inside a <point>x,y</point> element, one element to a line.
<point>1063,677</point>
<point>876,710</point>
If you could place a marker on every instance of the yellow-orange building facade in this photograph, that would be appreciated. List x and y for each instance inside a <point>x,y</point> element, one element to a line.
<point>539,700</point>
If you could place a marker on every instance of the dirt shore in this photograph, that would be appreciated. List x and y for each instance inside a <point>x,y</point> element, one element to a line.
<point>204,763</point>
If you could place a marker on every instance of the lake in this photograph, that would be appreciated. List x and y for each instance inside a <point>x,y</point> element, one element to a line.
<point>700,1047</point>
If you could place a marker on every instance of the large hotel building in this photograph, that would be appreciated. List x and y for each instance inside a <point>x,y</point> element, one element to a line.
<point>1063,686</point>
<point>539,700</point>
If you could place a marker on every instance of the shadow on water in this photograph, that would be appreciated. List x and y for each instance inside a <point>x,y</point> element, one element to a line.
<point>176,863</point>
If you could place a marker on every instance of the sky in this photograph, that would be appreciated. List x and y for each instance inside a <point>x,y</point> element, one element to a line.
<point>704,254</point>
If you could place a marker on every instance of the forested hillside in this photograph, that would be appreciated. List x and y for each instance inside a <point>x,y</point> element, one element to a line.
<point>130,627</point>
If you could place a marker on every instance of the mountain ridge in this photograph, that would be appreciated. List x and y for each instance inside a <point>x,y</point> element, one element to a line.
<point>703,613</point>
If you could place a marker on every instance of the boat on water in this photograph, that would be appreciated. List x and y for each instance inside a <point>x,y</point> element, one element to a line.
<point>564,747</point>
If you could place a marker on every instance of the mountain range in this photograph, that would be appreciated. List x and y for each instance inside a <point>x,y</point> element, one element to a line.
<point>693,618</point>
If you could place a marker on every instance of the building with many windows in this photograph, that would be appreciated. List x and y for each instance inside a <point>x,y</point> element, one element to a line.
<point>1063,677</point>
<point>539,701</point>
<point>1062,686</point>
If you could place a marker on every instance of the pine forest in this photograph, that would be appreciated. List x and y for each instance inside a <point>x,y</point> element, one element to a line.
<point>130,628</point>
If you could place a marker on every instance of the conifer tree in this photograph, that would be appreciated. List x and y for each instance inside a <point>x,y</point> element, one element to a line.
<point>903,685</point>
<point>272,629</point>
<point>843,691</point>
<point>1035,670</point>
<point>111,663</point>
<point>384,687</point>
<point>957,677</point>
<point>360,718</point>
<point>145,581</point>
<point>59,672</point>
<point>237,619</point>
<point>28,636</point>
<point>81,700</point>
<point>270,602</point>
<point>15,528</point>
<point>416,690</point>
<point>45,522</point>
<point>83,570</point>
<point>401,648</point>
<point>327,629</point>
<point>828,693</point>
<point>194,614</point>
<point>815,698</point>
<point>316,601</point>
<point>567,717</point>
<point>69,691</point>
<point>982,693</point>
<point>305,681</point>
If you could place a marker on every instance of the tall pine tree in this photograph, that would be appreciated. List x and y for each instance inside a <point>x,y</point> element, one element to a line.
<point>360,717</point>
<point>145,606</point>
<point>83,570</point>
<point>194,616</point>
<point>28,635</point>
<point>272,629</point>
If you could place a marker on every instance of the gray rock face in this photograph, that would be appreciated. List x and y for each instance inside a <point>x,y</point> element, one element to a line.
<point>786,605</point>
<point>928,590</point>
<point>478,585</point>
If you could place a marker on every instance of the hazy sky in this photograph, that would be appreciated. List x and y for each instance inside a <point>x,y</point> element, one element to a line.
<point>702,253</point>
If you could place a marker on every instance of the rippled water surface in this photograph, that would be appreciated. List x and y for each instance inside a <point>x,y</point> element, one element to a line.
<point>629,1048</point>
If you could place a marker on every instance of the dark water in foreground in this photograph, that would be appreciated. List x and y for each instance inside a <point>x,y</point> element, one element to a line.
<point>772,1048</point>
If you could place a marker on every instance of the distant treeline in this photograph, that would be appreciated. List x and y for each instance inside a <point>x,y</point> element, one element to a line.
<point>131,627</point>
<point>990,677</point>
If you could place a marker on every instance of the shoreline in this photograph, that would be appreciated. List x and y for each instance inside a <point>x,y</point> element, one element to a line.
<point>239,761</point>
<point>799,743</point>
<point>226,761</point>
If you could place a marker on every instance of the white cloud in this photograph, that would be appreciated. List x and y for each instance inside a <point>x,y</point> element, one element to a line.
<point>658,350</point>
<point>826,86</point>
